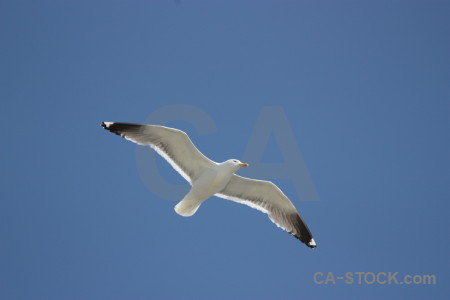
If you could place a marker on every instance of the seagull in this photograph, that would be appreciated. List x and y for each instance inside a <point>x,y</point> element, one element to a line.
<point>208,178</point>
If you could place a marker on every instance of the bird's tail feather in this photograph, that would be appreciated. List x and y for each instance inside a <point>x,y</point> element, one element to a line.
<point>187,207</point>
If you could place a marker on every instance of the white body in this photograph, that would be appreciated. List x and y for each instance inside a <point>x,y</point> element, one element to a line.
<point>211,181</point>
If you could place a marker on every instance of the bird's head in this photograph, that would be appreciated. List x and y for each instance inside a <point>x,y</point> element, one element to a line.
<point>236,163</point>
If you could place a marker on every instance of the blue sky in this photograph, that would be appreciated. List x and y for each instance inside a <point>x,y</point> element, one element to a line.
<point>363,84</point>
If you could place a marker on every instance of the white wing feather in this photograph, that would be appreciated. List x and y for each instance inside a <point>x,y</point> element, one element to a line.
<point>268,198</point>
<point>173,145</point>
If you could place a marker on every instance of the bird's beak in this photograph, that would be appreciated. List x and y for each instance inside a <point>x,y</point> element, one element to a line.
<point>243,165</point>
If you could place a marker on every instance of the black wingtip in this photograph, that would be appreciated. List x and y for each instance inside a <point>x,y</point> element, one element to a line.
<point>311,244</point>
<point>121,128</point>
<point>110,126</point>
<point>301,231</point>
<point>104,125</point>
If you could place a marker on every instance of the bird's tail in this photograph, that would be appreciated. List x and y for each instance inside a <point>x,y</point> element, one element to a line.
<point>187,207</point>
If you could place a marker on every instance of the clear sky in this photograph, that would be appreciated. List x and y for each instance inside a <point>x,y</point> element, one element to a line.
<point>364,86</point>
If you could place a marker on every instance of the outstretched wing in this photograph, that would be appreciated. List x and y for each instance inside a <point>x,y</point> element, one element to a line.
<point>268,198</point>
<point>172,144</point>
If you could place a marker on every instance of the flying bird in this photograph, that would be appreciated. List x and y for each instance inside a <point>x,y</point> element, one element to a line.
<point>208,178</point>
